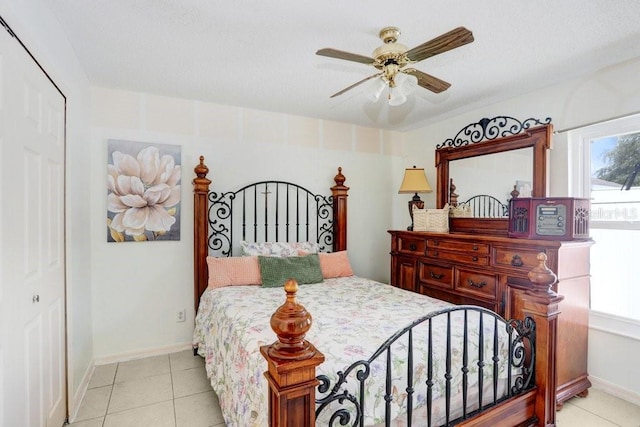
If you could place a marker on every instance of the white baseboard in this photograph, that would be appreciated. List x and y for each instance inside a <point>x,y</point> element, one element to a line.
<point>139,354</point>
<point>615,390</point>
<point>76,399</point>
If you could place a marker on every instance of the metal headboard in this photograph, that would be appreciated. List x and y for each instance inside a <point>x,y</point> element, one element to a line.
<point>268,211</point>
<point>485,206</point>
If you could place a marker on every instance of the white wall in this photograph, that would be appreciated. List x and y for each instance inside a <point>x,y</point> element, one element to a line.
<point>138,287</point>
<point>610,93</point>
<point>40,32</point>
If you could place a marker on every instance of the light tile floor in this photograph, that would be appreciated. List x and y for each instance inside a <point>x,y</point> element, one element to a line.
<point>170,390</point>
<point>173,391</point>
<point>598,409</point>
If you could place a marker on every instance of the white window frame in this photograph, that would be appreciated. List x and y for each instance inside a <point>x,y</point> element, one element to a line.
<point>579,140</point>
<point>579,151</point>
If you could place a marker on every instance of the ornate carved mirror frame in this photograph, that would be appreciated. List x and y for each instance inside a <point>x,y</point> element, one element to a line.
<point>490,136</point>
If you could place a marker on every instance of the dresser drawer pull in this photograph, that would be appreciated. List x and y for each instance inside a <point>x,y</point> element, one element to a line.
<point>435,276</point>
<point>475,258</point>
<point>413,246</point>
<point>476,285</point>
<point>436,243</point>
<point>516,261</point>
<point>436,253</point>
<point>475,247</point>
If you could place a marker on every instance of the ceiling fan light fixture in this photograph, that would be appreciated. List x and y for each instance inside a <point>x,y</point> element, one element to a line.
<point>401,86</point>
<point>408,83</point>
<point>376,88</point>
<point>396,96</point>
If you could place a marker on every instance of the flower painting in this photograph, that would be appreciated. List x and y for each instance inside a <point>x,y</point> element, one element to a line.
<point>143,191</point>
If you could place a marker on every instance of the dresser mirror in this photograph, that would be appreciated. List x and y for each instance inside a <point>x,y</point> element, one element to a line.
<point>491,163</point>
<point>493,175</point>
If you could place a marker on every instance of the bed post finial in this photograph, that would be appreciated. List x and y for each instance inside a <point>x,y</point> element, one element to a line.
<point>201,169</point>
<point>292,363</point>
<point>339,178</point>
<point>453,196</point>
<point>340,194</point>
<point>515,193</point>
<point>291,321</point>
<point>542,277</point>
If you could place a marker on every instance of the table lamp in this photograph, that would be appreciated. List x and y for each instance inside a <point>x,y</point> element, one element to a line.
<point>414,181</point>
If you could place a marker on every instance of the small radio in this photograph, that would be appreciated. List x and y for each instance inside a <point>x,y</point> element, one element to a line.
<point>550,218</point>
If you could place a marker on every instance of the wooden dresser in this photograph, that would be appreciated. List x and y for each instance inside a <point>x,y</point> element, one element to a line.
<point>475,269</point>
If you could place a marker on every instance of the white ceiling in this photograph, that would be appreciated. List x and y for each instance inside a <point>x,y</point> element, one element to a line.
<point>261,54</point>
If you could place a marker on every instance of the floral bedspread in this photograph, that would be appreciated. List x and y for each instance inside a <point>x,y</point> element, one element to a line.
<point>352,317</point>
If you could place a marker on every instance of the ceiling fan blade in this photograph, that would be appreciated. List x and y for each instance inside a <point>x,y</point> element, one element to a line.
<point>355,84</point>
<point>334,53</point>
<point>428,81</point>
<point>451,40</point>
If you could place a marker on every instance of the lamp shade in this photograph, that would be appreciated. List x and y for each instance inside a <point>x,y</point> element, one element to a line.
<point>375,89</point>
<point>396,96</point>
<point>403,85</point>
<point>414,181</point>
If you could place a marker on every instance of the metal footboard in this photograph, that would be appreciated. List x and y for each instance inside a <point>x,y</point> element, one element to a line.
<point>475,367</point>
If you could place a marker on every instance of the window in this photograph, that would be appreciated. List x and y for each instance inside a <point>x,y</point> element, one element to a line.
<point>610,153</point>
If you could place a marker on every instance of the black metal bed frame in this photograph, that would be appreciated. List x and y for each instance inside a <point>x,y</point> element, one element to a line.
<point>485,206</point>
<point>294,214</point>
<point>521,357</point>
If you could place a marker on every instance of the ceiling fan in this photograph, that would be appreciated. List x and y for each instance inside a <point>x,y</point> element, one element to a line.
<point>391,59</point>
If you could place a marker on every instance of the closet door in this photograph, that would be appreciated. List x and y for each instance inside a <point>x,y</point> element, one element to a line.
<point>32,291</point>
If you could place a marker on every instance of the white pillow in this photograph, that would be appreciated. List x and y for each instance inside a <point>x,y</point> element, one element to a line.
<point>279,249</point>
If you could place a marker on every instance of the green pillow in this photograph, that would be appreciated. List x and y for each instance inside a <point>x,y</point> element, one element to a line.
<point>277,270</point>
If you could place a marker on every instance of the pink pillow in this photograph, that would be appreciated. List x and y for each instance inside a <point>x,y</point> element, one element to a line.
<point>232,271</point>
<point>335,264</point>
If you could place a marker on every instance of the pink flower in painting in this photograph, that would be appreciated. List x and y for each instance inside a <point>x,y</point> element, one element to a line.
<point>142,190</point>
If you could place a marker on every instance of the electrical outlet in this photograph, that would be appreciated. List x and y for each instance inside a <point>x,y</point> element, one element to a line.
<point>181,315</point>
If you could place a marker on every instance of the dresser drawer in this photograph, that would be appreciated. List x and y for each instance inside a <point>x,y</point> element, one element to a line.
<point>457,246</point>
<point>436,275</point>
<point>412,246</point>
<point>477,283</point>
<point>459,257</point>
<point>515,258</point>
<point>454,298</point>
